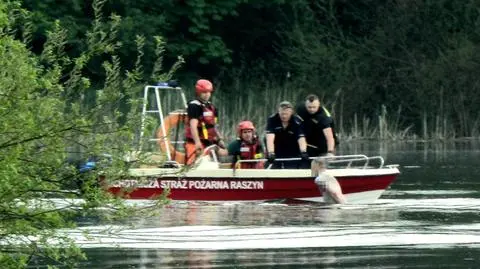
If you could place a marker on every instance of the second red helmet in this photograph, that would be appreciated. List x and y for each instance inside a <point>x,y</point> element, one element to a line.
<point>203,85</point>
<point>245,125</point>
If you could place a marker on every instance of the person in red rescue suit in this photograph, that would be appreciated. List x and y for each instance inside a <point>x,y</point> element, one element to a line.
<point>201,130</point>
<point>246,147</point>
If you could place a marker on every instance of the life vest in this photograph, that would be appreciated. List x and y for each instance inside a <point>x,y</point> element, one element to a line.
<point>206,123</point>
<point>248,151</point>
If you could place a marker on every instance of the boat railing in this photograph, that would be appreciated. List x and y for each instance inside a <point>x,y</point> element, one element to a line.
<point>210,150</point>
<point>348,160</point>
<point>345,161</point>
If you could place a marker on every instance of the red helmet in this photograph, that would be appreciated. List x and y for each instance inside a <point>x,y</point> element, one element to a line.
<point>245,125</point>
<point>203,85</point>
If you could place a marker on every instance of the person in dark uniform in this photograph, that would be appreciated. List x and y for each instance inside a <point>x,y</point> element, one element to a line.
<point>285,138</point>
<point>201,130</point>
<point>246,147</point>
<point>318,127</point>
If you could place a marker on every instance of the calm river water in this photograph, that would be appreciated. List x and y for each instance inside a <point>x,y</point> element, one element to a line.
<point>429,218</point>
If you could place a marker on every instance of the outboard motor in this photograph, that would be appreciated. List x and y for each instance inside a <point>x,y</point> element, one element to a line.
<point>92,162</point>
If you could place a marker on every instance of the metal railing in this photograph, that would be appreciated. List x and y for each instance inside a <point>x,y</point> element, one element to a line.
<point>348,160</point>
<point>210,150</point>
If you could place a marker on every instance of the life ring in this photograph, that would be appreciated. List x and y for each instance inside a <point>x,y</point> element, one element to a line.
<point>173,120</point>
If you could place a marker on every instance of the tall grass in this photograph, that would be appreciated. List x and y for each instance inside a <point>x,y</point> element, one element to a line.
<point>255,104</point>
<point>257,99</point>
<point>261,100</point>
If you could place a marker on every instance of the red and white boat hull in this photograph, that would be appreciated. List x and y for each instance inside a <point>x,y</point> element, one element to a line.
<point>358,185</point>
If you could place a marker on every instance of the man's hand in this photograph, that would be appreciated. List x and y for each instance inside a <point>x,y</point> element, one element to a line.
<point>304,156</point>
<point>221,144</point>
<point>198,148</point>
<point>271,157</point>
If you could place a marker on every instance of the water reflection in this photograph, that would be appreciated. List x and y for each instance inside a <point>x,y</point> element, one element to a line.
<point>266,214</point>
<point>460,257</point>
<point>166,259</point>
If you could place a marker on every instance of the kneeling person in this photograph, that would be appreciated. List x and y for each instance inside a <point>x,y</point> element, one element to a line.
<point>246,147</point>
<point>328,185</point>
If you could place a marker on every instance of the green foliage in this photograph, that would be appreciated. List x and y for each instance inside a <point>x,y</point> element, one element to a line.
<point>364,55</point>
<point>360,55</point>
<point>48,121</point>
<point>189,26</point>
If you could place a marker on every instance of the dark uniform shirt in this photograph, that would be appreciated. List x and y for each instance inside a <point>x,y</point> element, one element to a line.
<point>195,110</point>
<point>286,139</point>
<point>313,125</point>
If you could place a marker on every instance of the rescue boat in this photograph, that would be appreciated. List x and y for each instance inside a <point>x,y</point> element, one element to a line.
<point>363,179</point>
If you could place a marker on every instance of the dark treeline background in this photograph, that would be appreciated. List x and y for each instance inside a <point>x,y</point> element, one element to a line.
<point>386,69</point>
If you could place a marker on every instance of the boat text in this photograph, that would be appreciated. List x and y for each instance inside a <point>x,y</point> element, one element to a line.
<point>193,184</point>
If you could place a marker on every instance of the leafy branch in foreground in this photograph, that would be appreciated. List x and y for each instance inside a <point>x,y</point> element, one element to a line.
<point>51,116</point>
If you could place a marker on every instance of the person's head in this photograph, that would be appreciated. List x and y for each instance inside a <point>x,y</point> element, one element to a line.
<point>246,131</point>
<point>285,111</point>
<point>318,166</point>
<point>204,89</point>
<point>312,103</point>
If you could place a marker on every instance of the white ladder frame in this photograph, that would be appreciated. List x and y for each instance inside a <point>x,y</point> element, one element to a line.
<point>159,110</point>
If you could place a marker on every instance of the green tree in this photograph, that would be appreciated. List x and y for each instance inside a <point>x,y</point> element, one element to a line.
<point>192,28</point>
<point>362,55</point>
<point>46,119</point>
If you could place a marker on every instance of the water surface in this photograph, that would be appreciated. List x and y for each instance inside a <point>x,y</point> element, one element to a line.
<point>429,218</point>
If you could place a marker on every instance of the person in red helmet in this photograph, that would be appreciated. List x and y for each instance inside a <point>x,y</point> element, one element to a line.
<point>246,147</point>
<point>201,130</point>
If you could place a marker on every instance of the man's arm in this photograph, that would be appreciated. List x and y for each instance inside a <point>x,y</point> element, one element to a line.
<point>233,152</point>
<point>330,140</point>
<point>233,148</point>
<point>326,125</point>
<point>270,143</point>
<point>194,111</point>
<point>270,136</point>
<point>302,144</point>
<point>217,131</point>
<point>195,135</point>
